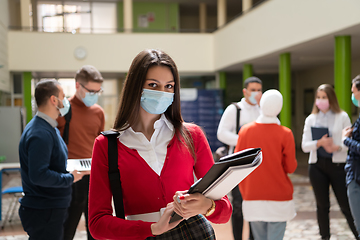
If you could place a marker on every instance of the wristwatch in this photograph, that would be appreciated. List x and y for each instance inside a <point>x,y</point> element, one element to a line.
<point>211,210</point>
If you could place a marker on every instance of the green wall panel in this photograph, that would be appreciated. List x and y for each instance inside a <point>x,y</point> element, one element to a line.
<point>161,17</point>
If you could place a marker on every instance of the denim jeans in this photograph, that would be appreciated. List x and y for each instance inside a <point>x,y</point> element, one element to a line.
<point>353,192</point>
<point>268,230</point>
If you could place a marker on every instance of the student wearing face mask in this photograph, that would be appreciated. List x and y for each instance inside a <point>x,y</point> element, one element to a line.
<point>268,202</point>
<point>351,139</point>
<point>158,155</point>
<point>226,133</point>
<point>327,156</point>
<point>79,132</point>
<point>43,155</point>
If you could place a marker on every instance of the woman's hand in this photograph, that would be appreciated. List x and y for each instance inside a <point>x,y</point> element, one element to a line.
<point>324,141</point>
<point>163,224</point>
<point>332,148</point>
<point>189,205</point>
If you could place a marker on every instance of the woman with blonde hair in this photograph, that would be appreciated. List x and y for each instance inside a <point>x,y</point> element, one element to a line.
<point>327,156</point>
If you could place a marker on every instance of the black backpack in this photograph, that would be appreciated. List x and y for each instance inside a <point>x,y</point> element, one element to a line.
<point>65,135</point>
<point>114,174</point>
<point>223,150</point>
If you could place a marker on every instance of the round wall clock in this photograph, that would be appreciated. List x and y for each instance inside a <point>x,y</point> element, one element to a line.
<point>80,53</point>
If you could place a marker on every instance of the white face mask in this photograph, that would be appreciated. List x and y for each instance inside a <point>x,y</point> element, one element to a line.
<point>89,99</point>
<point>66,106</point>
<point>252,97</point>
<point>156,102</point>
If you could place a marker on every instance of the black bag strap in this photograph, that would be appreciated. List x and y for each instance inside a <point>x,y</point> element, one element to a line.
<point>237,117</point>
<point>65,135</point>
<point>114,174</point>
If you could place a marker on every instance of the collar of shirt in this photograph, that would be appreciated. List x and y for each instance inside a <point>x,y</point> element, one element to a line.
<point>325,119</point>
<point>47,118</point>
<point>248,105</point>
<point>267,120</point>
<point>153,151</point>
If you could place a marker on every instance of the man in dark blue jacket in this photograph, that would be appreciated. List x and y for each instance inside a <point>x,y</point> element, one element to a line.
<point>351,137</point>
<point>43,155</point>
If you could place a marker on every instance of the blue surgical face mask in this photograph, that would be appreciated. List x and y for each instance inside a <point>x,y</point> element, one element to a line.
<point>252,97</point>
<point>354,100</point>
<point>66,106</point>
<point>156,102</point>
<point>89,99</point>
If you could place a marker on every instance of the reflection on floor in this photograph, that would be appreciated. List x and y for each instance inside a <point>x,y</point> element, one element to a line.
<point>302,227</point>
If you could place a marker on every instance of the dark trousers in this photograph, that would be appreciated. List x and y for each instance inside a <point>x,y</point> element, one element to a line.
<point>322,174</point>
<point>237,218</point>
<point>78,205</point>
<point>43,224</point>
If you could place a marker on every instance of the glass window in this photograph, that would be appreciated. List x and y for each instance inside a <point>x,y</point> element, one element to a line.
<point>75,17</point>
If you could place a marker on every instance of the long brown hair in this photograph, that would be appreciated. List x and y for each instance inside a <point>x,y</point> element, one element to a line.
<point>128,111</point>
<point>330,93</point>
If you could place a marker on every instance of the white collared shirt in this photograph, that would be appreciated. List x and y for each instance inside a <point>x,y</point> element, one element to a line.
<point>325,120</point>
<point>153,151</point>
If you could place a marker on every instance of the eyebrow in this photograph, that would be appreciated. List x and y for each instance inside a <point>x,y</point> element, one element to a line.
<point>151,79</point>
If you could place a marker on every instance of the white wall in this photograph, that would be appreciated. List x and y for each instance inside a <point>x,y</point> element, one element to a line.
<point>278,24</point>
<point>34,51</point>
<point>4,66</point>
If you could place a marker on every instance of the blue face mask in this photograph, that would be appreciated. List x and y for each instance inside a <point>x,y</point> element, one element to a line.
<point>65,109</point>
<point>252,97</point>
<point>156,102</point>
<point>354,100</point>
<point>90,100</point>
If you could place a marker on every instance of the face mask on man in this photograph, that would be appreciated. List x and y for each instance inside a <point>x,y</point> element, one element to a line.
<point>90,99</point>
<point>156,102</point>
<point>252,97</point>
<point>354,100</point>
<point>66,106</point>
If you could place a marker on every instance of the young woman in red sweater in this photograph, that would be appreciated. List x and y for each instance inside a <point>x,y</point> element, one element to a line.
<point>158,155</point>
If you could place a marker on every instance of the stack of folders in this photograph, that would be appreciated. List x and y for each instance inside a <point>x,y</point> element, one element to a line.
<point>83,164</point>
<point>225,174</point>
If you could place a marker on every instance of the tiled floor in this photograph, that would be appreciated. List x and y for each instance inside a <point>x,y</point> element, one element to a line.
<point>302,227</point>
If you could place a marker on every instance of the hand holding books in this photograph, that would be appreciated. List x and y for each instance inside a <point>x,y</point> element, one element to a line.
<point>224,175</point>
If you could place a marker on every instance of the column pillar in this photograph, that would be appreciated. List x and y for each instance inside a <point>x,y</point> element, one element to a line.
<point>285,88</point>
<point>34,15</point>
<point>342,72</point>
<point>128,16</point>
<point>202,17</point>
<point>246,5</point>
<point>25,16</point>
<point>221,13</point>
<point>27,76</point>
<point>222,80</point>
<point>247,71</point>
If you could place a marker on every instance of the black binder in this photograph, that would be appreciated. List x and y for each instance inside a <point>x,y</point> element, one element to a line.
<point>317,133</point>
<point>224,175</point>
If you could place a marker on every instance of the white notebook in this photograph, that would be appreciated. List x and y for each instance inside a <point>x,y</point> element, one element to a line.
<point>83,164</point>
<point>230,178</point>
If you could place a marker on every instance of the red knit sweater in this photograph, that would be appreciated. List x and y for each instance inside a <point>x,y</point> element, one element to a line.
<point>143,190</point>
<point>270,180</point>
